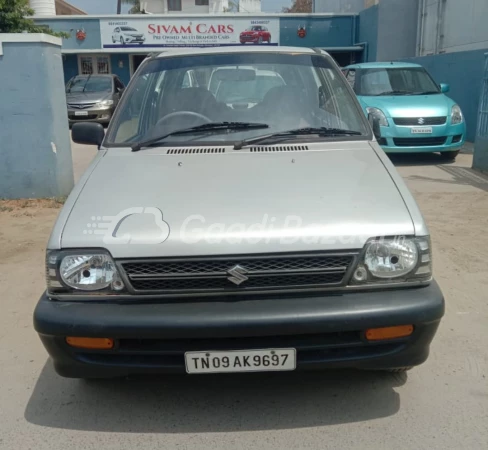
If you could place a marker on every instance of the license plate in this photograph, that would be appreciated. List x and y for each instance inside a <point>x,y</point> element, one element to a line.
<point>282,359</point>
<point>81,113</point>
<point>422,130</point>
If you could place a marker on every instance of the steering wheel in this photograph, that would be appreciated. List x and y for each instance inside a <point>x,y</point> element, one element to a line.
<point>192,115</point>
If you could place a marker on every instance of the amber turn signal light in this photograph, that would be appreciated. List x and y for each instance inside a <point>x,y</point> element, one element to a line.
<point>380,334</point>
<point>90,343</point>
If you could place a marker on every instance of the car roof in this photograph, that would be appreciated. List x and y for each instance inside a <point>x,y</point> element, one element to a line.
<point>184,51</point>
<point>382,65</point>
<point>97,75</point>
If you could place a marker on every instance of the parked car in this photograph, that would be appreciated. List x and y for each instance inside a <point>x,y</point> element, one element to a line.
<point>93,98</point>
<point>199,241</point>
<point>127,35</point>
<point>256,34</point>
<point>415,114</point>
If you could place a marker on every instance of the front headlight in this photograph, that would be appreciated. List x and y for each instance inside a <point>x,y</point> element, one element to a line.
<point>104,104</point>
<point>380,115</point>
<point>81,271</point>
<point>456,115</point>
<point>395,259</point>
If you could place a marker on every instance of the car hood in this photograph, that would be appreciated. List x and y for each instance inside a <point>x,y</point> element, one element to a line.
<point>86,97</point>
<point>410,105</point>
<point>150,204</point>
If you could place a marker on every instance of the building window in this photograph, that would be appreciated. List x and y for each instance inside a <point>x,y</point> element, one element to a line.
<point>201,2</point>
<point>174,5</point>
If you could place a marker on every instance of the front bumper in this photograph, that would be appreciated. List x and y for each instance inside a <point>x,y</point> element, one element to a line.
<point>327,330</point>
<point>92,115</point>
<point>253,39</point>
<point>444,138</point>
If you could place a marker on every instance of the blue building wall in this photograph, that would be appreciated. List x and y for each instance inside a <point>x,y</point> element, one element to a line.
<point>36,163</point>
<point>464,72</point>
<point>70,66</point>
<point>325,32</point>
<point>368,31</point>
<point>118,59</point>
<point>71,26</point>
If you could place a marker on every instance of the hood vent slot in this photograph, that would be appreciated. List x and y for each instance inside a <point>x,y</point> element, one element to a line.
<point>280,148</point>
<point>190,151</point>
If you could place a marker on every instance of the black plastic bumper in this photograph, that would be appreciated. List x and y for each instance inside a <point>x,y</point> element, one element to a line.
<point>326,330</point>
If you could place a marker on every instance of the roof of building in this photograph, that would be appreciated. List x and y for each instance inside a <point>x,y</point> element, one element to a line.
<point>382,65</point>
<point>63,8</point>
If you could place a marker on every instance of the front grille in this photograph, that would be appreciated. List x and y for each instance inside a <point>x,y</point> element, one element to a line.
<point>81,105</point>
<point>256,273</point>
<point>457,138</point>
<point>420,141</point>
<point>88,117</point>
<point>419,121</point>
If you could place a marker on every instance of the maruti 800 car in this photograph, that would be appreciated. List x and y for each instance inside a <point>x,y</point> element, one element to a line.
<point>273,237</point>
<point>415,114</point>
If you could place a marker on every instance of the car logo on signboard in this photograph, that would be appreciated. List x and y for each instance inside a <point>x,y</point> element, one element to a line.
<point>237,275</point>
<point>421,121</point>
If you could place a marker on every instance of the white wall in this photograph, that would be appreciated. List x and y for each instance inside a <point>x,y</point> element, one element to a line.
<point>453,26</point>
<point>187,7</point>
<point>249,6</point>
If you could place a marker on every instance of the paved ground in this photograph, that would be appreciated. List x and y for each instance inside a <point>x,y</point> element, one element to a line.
<point>441,405</point>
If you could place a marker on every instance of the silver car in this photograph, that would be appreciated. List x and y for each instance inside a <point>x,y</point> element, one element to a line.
<point>204,238</point>
<point>93,98</point>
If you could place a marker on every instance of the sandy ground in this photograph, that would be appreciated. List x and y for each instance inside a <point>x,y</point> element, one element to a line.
<point>442,404</point>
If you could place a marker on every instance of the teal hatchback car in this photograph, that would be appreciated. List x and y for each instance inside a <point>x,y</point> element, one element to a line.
<point>411,111</point>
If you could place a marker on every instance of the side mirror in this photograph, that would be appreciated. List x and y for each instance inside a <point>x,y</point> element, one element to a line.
<point>88,133</point>
<point>445,88</point>
<point>374,121</point>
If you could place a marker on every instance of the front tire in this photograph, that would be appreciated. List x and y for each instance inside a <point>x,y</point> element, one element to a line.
<point>122,41</point>
<point>450,156</point>
<point>400,369</point>
<point>260,40</point>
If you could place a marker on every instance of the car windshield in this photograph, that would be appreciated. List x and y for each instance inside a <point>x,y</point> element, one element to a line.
<point>247,91</point>
<point>127,29</point>
<point>283,91</point>
<point>89,84</point>
<point>394,81</point>
<point>255,28</point>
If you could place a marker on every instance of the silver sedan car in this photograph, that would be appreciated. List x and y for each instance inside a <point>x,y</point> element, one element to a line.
<point>93,98</point>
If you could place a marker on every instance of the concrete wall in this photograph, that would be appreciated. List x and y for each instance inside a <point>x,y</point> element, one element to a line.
<point>453,26</point>
<point>397,29</point>
<point>464,72</point>
<point>35,151</point>
<point>338,6</point>
<point>368,32</point>
<point>68,25</point>
<point>321,31</point>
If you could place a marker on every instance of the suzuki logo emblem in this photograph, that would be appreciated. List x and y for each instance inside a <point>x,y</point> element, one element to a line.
<point>237,275</point>
<point>421,121</point>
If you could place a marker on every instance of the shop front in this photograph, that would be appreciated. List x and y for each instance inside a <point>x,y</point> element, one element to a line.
<point>118,44</point>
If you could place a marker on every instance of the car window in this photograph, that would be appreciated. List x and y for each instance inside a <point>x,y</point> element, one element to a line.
<point>90,84</point>
<point>247,91</point>
<point>283,91</point>
<point>382,81</point>
<point>351,77</point>
<point>118,84</point>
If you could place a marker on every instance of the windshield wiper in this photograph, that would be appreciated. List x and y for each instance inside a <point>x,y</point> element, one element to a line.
<point>395,93</point>
<point>425,93</point>
<point>86,82</point>
<point>206,127</point>
<point>290,134</point>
